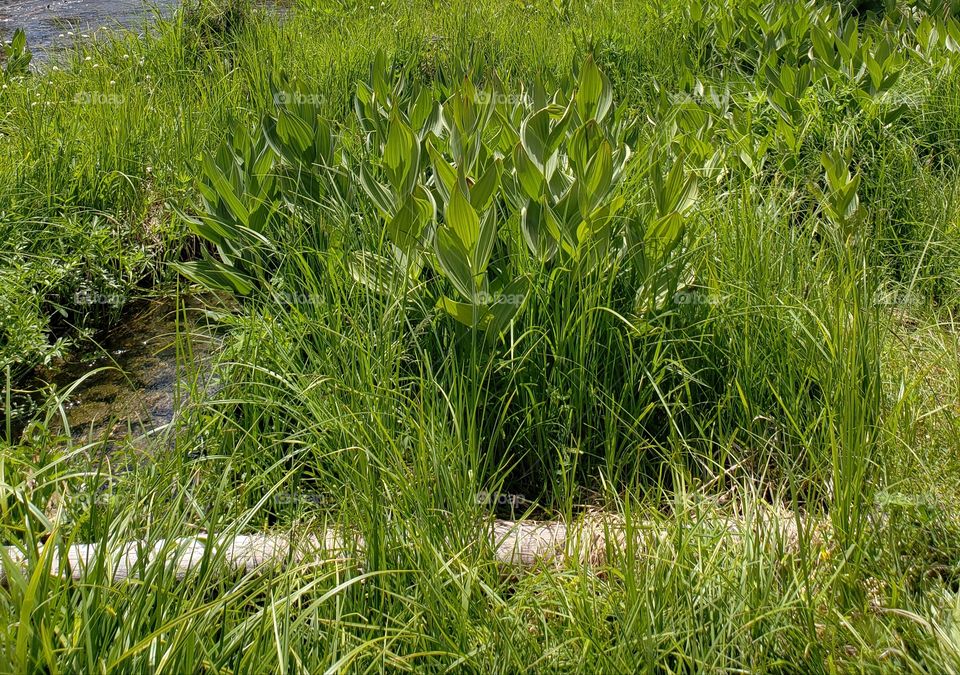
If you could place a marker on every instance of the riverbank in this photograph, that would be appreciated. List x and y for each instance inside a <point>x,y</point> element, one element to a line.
<point>730,350</point>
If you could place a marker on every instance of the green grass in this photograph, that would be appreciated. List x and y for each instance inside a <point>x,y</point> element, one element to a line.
<point>809,368</point>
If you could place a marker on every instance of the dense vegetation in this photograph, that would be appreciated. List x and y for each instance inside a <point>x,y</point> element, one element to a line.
<point>689,266</point>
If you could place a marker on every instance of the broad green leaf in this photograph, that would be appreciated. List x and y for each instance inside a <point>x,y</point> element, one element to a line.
<point>421,110</point>
<point>508,303</point>
<point>594,92</point>
<point>377,193</point>
<point>534,135</point>
<point>380,72</point>
<point>508,134</point>
<point>530,178</point>
<point>676,191</point>
<point>485,188</point>
<point>463,220</point>
<point>480,256</point>
<point>446,175</point>
<point>664,233</point>
<point>401,156</point>
<point>596,183</point>
<point>583,145</point>
<point>296,134</point>
<point>454,262</point>
<point>406,226</point>
<point>19,41</point>
<point>324,143</point>
<point>263,163</point>
<point>225,191</point>
<point>215,276</point>
<point>564,217</point>
<point>563,228</point>
<point>536,233</point>
<point>468,314</point>
<point>376,272</point>
<point>559,131</point>
<point>464,108</point>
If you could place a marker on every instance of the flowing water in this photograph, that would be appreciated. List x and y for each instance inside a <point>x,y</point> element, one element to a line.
<point>52,23</point>
<point>132,380</point>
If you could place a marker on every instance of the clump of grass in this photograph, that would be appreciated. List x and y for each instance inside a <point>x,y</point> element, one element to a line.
<point>213,25</point>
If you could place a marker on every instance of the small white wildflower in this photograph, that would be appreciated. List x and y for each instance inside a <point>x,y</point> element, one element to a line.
<point>87,58</point>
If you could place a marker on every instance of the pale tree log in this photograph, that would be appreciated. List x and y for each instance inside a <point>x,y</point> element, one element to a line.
<point>242,552</point>
<point>517,544</point>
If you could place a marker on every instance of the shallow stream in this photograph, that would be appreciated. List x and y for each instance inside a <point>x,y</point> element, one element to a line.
<point>53,23</point>
<point>132,379</point>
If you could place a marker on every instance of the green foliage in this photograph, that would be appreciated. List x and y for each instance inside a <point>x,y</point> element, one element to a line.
<point>704,283</point>
<point>16,56</point>
<point>444,175</point>
<point>840,201</point>
<point>214,25</point>
<point>240,198</point>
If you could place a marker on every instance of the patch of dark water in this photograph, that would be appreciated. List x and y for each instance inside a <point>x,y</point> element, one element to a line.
<point>134,377</point>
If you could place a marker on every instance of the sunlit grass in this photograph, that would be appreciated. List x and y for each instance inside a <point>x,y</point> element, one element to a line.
<point>786,426</point>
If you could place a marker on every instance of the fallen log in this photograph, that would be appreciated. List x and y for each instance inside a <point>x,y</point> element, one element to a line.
<point>515,543</point>
<point>243,552</point>
<point>519,544</point>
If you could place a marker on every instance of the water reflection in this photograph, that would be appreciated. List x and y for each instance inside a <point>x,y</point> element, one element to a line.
<point>48,23</point>
<point>137,374</point>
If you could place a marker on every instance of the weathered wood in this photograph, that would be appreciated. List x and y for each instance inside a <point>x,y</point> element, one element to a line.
<point>520,544</point>
<point>514,543</point>
<point>246,552</point>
